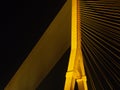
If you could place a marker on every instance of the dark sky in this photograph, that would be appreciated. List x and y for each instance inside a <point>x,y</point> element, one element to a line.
<point>22,22</point>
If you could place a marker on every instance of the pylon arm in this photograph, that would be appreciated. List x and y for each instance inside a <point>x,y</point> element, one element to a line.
<point>76,71</point>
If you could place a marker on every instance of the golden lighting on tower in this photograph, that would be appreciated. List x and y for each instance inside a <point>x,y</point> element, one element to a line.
<point>76,71</point>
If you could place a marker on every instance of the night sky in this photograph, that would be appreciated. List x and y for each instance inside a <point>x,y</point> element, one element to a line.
<point>22,23</point>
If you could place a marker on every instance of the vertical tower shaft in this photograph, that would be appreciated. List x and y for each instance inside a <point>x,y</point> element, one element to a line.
<point>75,72</point>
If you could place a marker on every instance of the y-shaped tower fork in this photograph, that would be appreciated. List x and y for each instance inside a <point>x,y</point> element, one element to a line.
<point>76,71</point>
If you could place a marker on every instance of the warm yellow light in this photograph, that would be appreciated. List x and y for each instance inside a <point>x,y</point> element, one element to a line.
<point>76,71</point>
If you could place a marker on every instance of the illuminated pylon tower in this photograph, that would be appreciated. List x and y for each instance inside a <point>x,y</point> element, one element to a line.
<point>76,71</point>
<point>50,48</point>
